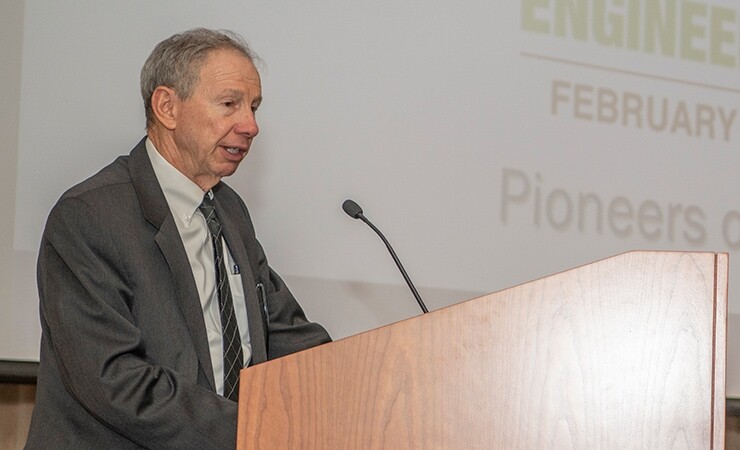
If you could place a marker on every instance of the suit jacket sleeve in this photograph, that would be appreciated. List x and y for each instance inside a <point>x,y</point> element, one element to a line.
<point>101,357</point>
<point>289,330</point>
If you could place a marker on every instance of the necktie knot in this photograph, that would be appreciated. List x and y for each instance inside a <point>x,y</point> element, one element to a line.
<point>209,212</point>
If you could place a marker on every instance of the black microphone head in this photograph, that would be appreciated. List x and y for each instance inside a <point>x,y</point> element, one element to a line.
<point>352,209</point>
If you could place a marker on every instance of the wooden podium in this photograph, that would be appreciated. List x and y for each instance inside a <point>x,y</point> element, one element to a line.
<point>624,353</point>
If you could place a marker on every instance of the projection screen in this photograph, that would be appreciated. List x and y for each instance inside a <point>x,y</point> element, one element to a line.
<point>493,142</point>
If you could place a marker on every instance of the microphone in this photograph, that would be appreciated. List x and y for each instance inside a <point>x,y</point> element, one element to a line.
<point>355,211</point>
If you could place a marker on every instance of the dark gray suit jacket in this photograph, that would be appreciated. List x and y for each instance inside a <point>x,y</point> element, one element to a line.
<point>124,353</point>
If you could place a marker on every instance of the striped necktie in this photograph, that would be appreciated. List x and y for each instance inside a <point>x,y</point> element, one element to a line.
<point>232,344</point>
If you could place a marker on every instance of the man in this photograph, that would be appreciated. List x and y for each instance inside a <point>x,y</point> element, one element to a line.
<point>153,289</point>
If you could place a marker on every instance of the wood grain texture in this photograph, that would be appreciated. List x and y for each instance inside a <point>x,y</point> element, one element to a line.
<point>720,349</point>
<point>16,406</point>
<point>618,354</point>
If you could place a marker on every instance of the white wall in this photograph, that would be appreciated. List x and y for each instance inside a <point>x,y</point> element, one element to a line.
<point>18,321</point>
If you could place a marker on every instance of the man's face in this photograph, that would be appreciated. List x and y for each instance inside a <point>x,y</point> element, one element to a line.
<point>216,125</point>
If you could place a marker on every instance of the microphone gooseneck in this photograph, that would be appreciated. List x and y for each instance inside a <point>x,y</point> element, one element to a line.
<point>355,211</point>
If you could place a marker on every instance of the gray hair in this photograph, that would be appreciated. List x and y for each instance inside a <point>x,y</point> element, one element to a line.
<point>176,62</point>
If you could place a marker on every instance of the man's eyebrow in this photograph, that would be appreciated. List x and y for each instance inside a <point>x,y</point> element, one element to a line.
<point>232,92</point>
<point>240,94</point>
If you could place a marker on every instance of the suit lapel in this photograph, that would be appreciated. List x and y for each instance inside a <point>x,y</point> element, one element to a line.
<point>157,212</point>
<point>236,245</point>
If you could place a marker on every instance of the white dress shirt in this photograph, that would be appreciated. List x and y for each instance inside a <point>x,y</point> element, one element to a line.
<point>183,197</point>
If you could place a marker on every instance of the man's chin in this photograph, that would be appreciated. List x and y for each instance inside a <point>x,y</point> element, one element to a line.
<point>228,169</point>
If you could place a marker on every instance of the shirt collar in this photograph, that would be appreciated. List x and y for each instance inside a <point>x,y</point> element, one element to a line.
<point>182,194</point>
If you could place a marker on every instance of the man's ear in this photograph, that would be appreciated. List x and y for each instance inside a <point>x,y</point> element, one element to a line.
<point>165,103</point>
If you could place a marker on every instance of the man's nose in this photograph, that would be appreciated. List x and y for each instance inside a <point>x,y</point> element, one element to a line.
<point>247,124</point>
